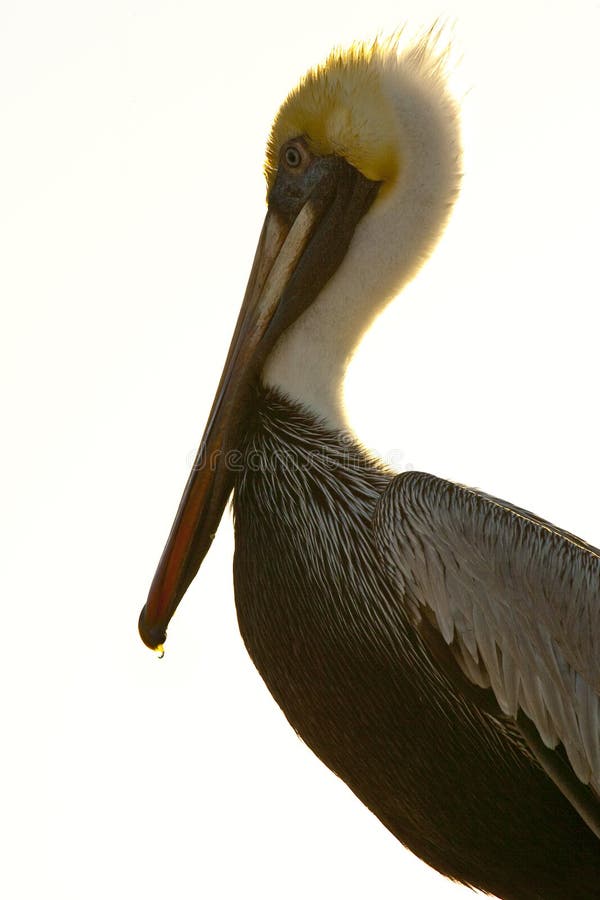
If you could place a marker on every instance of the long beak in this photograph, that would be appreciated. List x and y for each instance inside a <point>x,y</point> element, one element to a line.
<point>304,239</point>
<point>279,250</point>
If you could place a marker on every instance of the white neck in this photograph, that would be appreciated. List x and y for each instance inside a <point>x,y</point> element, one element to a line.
<point>309,361</point>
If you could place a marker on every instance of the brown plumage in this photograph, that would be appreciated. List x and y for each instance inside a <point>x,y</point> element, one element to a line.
<point>437,648</point>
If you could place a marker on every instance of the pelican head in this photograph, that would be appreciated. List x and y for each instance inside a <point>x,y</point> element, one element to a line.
<point>362,168</point>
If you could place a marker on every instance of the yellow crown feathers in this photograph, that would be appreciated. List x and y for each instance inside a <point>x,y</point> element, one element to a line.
<point>340,106</point>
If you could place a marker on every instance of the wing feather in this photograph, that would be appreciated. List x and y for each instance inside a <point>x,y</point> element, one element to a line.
<point>516,600</point>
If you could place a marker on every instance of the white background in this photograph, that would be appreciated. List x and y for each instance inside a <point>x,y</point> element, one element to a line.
<point>131,148</point>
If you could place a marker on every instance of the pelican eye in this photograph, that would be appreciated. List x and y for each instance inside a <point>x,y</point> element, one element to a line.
<point>293,157</point>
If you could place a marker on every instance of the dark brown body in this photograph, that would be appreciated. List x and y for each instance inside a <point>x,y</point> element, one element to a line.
<point>326,629</point>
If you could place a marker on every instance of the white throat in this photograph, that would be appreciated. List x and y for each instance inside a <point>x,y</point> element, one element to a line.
<point>309,361</point>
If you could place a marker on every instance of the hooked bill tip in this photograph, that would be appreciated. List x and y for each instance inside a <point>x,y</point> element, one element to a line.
<point>154,638</point>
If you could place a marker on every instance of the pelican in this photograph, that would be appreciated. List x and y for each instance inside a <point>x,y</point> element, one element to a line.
<point>436,647</point>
